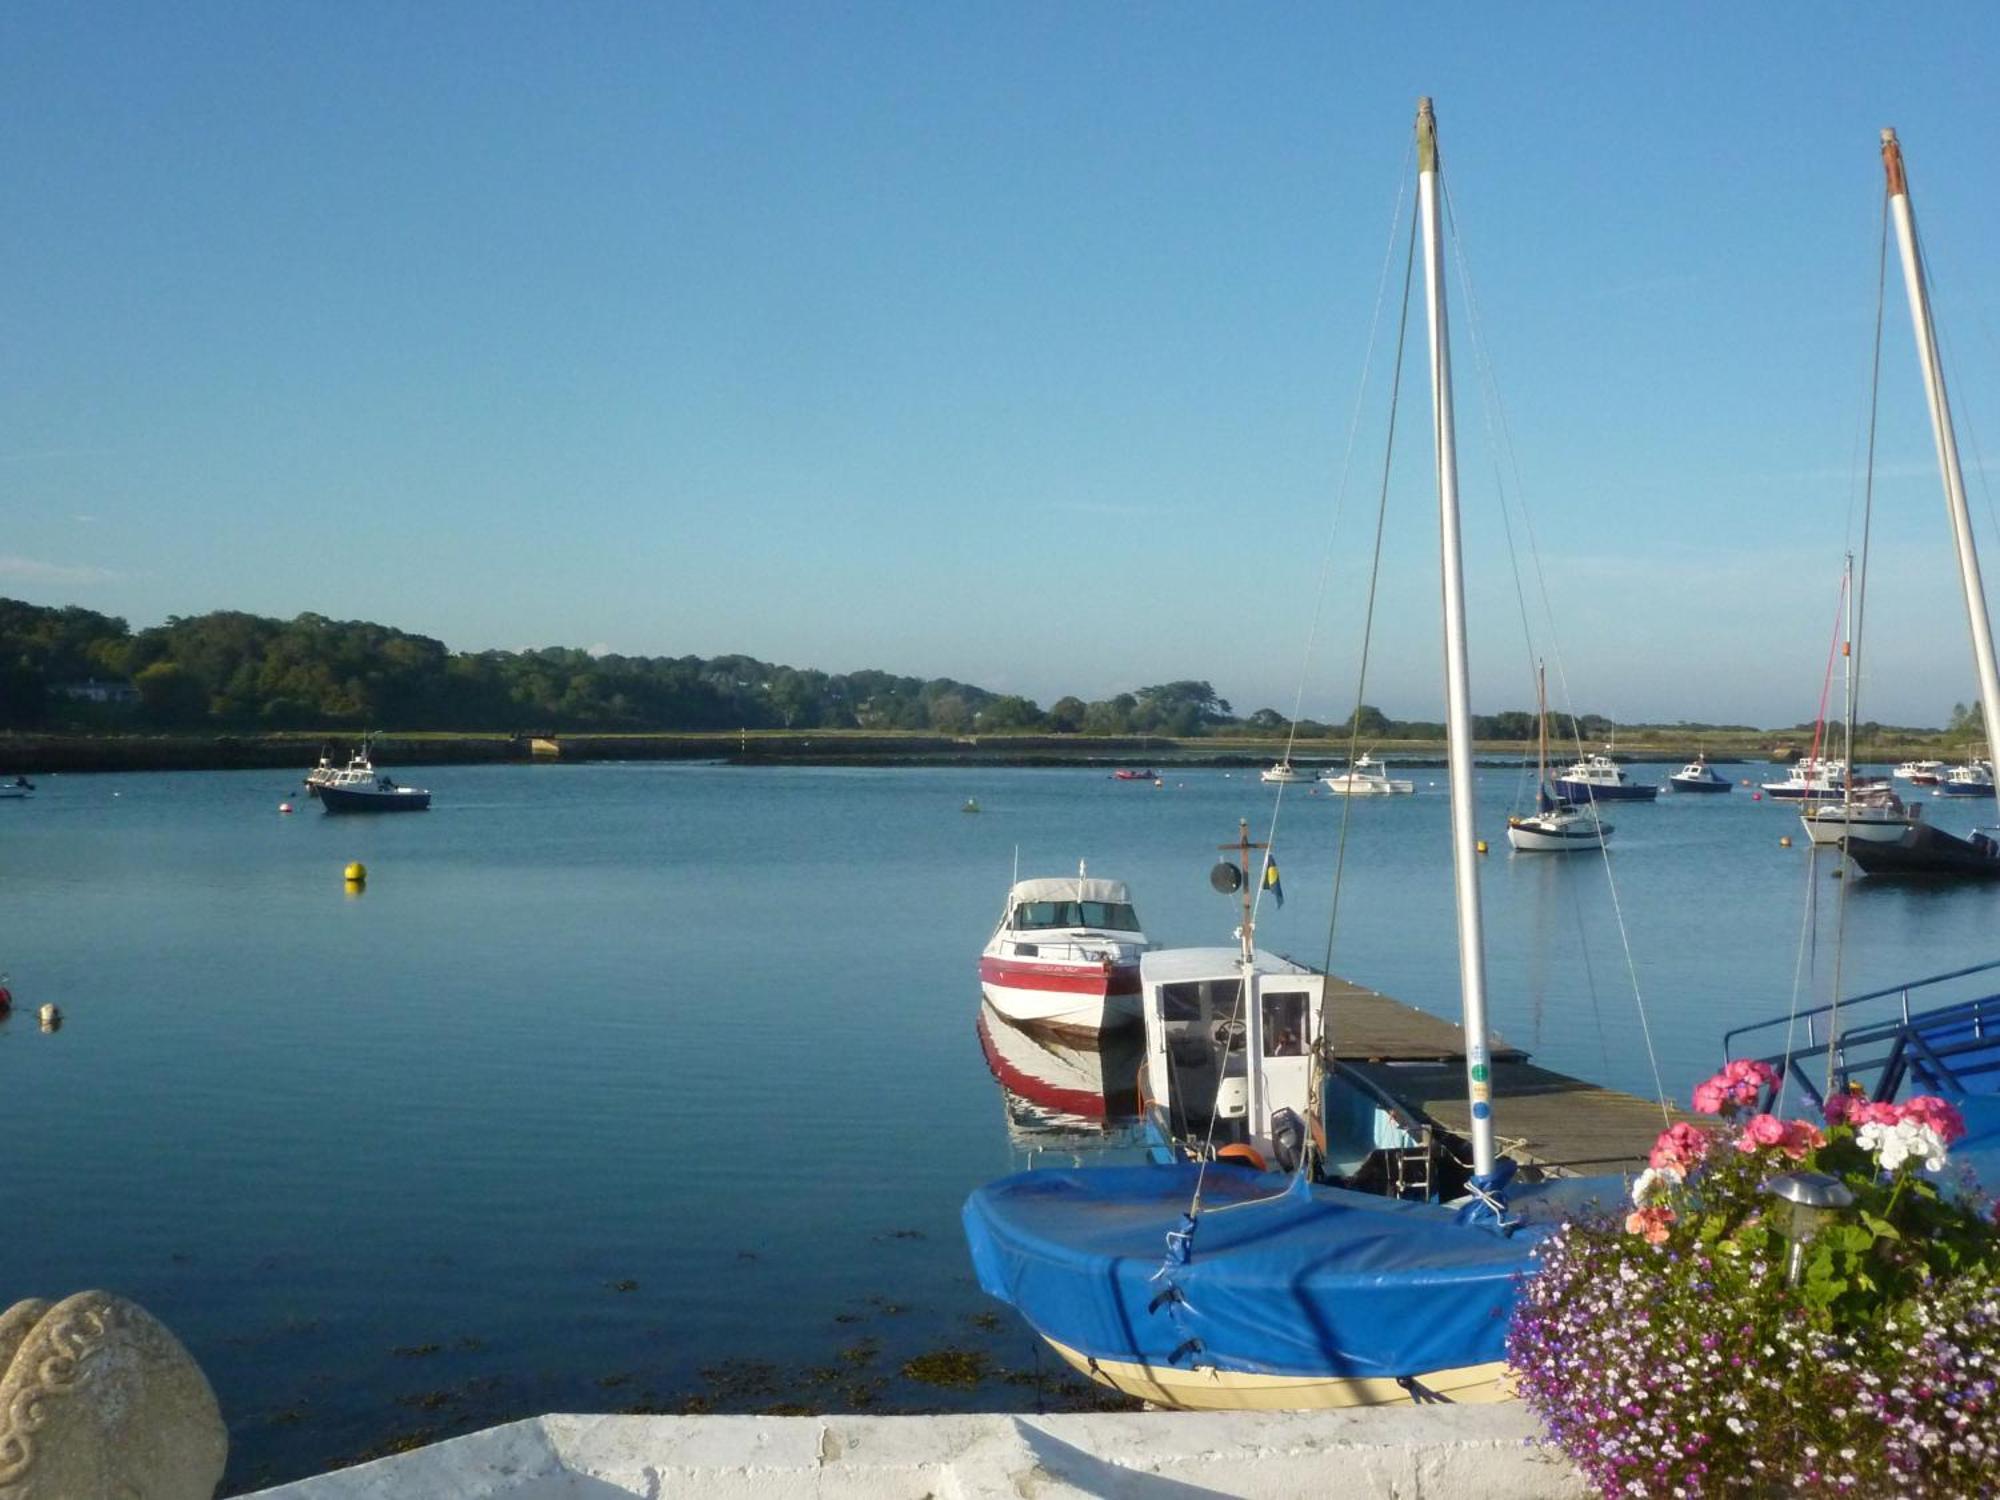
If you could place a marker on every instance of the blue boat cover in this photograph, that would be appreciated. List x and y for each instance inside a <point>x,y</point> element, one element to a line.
<point>1313,1281</point>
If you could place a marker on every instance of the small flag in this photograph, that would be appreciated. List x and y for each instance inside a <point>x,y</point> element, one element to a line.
<point>1271,882</point>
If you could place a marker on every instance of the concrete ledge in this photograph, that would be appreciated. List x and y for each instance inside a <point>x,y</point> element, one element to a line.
<point>1423,1453</point>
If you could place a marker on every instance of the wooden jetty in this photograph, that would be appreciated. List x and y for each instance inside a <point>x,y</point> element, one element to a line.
<point>1559,1125</point>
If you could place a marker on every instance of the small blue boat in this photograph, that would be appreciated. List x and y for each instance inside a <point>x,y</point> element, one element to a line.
<point>1699,776</point>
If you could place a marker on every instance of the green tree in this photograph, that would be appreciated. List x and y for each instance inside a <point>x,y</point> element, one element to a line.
<point>1066,715</point>
<point>171,695</point>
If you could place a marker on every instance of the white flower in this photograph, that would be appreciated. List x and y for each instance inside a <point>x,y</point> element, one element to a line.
<point>1651,1185</point>
<point>1904,1141</point>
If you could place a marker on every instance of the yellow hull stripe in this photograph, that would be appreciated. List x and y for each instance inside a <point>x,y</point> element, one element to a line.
<point>1208,1389</point>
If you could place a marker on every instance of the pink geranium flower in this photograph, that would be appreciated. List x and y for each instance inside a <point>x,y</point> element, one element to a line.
<point>1801,1136</point>
<point>1875,1114</point>
<point>1679,1148</point>
<point>1760,1131</point>
<point>1740,1084</point>
<point>1840,1108</point>
<point>1928,1109</point>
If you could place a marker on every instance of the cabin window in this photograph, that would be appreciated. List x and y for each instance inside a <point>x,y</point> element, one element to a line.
<point>1285,1024</point>
<point>1196,999</point>
<point>1114,916</point>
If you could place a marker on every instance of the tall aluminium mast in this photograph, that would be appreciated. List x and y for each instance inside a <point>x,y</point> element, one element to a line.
<point>1947,442</point>
<point>1458,698</point>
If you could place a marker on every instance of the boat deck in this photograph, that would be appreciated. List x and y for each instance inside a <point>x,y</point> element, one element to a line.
<point>1541,1118</point>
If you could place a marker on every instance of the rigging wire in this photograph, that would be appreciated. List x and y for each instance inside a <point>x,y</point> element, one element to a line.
<point>1316,1077</point>
<point>1339,500</point>
<point>1860,587</point>
<point>1493,407</point>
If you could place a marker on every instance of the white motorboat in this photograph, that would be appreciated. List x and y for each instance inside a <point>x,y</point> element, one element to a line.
<point>1812,778</point>
<point>1367,777</point>
<point>1920,772</point>
<point>1065,956</point>
<point>15,789</point>
<point>1284,773</point>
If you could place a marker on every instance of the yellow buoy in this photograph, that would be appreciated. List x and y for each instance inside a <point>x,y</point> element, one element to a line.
<point>1480,846</point>
<point>1785,841</point>
<point>357,872</point>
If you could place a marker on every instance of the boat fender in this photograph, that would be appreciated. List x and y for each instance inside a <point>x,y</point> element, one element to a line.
<point>1246,1155</point>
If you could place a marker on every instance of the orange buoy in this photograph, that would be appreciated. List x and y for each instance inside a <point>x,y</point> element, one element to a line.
<point>1248,1155</point>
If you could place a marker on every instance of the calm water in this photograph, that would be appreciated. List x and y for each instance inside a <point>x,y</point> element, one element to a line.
<point>658,1085</point>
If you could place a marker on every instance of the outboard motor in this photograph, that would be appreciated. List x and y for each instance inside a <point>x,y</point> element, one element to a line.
<point>1288,1139</point>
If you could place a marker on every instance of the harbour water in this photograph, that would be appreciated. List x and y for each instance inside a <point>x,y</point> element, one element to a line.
<point>657,1085</point>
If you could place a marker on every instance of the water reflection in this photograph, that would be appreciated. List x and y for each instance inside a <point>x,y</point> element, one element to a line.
<point>1060,1094</point>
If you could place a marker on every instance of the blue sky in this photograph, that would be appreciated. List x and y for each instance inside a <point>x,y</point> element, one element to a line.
<point>1016,343</point>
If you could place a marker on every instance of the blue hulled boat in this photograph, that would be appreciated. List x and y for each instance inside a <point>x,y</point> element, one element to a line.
<point>358,787</point>
<point>1698,776</point>
<point>1599,778</point>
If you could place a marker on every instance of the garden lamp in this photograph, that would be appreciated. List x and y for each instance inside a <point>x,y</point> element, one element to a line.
<point>1815,1198</point>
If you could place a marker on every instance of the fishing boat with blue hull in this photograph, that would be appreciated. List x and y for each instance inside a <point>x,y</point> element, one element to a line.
<point>1247,1269</point>
<point>1699,776</point>
<point>1599,778</point>
<point>359,787</point>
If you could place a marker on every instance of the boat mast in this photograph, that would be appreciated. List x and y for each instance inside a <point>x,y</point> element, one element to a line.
<point>1542,731</point>
<point>1847,686</point>
<point>1458,697</point>
<point>1947,442</point>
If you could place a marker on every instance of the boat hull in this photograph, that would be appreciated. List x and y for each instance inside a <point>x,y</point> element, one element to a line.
<point>340,799</point>
<point>1926,852</point>
<point>1590,791</point>
<point>1698,784</point>
<point>1821,829</point>
<point>1073,1000</point>
<point>1296,1296</point>
<point>1235,1390</point>
<point>1529,839</point>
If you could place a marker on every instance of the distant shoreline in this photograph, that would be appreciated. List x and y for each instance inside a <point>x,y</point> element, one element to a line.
<point>44,754</point>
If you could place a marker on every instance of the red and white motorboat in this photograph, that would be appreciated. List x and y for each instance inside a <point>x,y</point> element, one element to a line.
<point>1065,957</point>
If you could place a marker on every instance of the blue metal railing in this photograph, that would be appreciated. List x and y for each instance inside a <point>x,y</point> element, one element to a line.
<point>1953,1046</point>
<point>1811,1017</point>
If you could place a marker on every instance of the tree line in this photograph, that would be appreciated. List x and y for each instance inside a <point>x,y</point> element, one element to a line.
<point>233,672</point>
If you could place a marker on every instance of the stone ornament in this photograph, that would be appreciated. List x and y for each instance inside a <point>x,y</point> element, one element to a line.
<point>99,1402</point>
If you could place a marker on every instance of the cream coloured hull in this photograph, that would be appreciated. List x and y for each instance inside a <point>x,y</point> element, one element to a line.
<point>1235,1390</point>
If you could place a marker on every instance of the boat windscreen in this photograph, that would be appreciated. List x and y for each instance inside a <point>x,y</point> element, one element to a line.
<point>1113,916</point>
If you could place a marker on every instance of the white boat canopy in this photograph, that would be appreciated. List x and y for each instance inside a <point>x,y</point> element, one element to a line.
<point>1069,888</point>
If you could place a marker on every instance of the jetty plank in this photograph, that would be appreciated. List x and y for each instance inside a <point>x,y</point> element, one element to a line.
<point>1544,1119</point>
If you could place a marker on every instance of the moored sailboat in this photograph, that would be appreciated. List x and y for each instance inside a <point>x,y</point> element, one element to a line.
<point>1556,826</point>
<point>1203,1282</point>
<point>1923,849</point>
